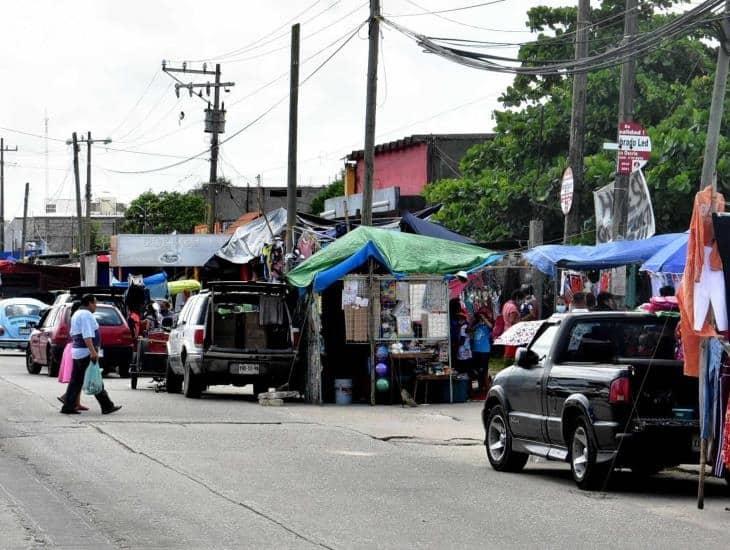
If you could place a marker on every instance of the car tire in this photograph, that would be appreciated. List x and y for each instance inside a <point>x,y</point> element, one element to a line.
<point>53,365</point>
<point>32,366</point>
<point>191,383</point>
<point>173,382</point>
<point>588,474</point>
<point>498,443</point>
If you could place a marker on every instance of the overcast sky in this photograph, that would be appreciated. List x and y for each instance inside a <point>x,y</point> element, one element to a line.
<point>95,65</point>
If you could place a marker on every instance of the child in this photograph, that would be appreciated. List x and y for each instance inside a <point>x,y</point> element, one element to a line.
<point>482,347</point>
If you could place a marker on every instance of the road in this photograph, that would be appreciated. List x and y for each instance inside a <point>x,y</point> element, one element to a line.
<point>225,472</point>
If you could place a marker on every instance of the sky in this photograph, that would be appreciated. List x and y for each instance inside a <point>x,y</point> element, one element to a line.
<point>95,65</point>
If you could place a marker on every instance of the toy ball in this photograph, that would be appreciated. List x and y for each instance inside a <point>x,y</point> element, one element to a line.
<point>381,353</point>
<point>382,385</point>
<point>381,369</point>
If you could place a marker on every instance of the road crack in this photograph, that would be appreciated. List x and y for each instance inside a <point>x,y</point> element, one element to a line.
<point>212,489</point>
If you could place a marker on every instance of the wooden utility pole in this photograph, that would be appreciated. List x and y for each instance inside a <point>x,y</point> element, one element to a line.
<point>3,149</point>
<point>25,222</point>
<point>619,210</point>
<point>291,176</point>
<point>215,122</point>
<point>709,177</point>
<point>577,121</point>
<point>77,178</point>
<point>370,108</point>
<point>87,220</point>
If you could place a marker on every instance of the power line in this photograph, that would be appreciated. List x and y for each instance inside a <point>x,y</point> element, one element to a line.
<point>144,93</point>
<point>450,10</point>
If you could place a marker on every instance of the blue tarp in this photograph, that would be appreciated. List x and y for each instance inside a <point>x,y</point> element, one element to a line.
<point>157,285</point>
<point>430,229</point>
<point>670,259</point>
<point>548,258</point>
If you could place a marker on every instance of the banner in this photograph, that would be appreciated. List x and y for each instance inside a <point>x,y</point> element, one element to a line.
<point>640,223</point>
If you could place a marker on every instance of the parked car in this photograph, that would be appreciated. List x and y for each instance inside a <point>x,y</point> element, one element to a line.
<point>18,316</point>
<point>600,391</point>
<point>110,295</point>
<point>49,338</point>
<point>233,333</point>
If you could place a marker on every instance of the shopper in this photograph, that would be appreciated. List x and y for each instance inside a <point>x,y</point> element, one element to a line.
<point>560,306</point>
<point>482,348</point>
<point>528,308</point>
<point>85,342</point>
<point>511,316</point>
<point>606,302</point>
<point>579,305</point>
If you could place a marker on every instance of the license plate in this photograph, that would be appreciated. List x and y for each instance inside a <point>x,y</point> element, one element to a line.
<point>696,443</point>
<point>24,331</point>
<point>244,368</point>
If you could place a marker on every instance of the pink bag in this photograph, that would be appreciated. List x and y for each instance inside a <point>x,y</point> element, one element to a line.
<point>67,365</point>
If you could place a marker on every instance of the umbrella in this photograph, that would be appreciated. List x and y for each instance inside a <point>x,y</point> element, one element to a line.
<point>669,259</point>
<point>519,334</point>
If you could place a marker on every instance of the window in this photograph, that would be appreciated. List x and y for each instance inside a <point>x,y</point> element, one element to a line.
<point>282,193</point>
<point>51,208</point>
<point>607,340</point>
<point>542,344</point>
<point>108,317</point>
<point>50,318</point>
<point>22,310</point>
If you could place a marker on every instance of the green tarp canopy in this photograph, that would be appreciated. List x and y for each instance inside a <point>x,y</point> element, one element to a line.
<point>400,253</point>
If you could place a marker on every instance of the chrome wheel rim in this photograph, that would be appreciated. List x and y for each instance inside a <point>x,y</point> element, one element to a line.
<point>497,438</point>
<point>579,452</point>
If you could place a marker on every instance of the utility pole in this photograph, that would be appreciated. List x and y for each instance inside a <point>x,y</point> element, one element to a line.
<point>370,108</point>
<point>77,178</point>
<point>291,176</point>
<point>85,245</point>
<point>3,149</point>
<point>45,187</point>
<point>577,121</point>
<point>709,168</point>
<point>215,121</point>
<point>25,221</point>
<point>619,211</point>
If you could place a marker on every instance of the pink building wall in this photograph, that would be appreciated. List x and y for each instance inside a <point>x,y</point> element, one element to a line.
<point>404,168</point>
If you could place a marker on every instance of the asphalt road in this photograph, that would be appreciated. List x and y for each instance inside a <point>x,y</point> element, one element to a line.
<point>225,472</point>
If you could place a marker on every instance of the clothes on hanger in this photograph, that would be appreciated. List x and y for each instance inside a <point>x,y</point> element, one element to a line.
<point>703,258</point>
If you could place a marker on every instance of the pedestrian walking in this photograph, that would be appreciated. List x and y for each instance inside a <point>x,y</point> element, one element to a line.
<point>85,342</point>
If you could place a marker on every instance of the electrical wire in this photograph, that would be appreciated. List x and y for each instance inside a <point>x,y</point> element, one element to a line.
<point>450,10</point>
<point>146,117</point>
<point>248,125</point>
<point>136,103</point>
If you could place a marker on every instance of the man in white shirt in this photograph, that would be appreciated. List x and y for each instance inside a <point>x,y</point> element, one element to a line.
<point>85,343</point>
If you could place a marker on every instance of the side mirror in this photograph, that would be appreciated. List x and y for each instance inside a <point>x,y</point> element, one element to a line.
<point>526,358</point>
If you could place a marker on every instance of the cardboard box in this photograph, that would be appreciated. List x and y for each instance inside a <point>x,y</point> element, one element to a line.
<point>356,324</point>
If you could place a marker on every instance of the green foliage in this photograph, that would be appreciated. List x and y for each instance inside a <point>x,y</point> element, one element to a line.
<point>516,176</point>
<point>99,242</point>
<point>334,189</point>
<point>165,212</point>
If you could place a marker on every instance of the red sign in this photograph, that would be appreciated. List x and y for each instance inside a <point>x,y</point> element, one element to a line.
<point>566,191</point>
<point>634,147</point>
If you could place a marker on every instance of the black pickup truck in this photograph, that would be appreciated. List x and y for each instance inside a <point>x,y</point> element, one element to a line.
<point>600,391</point>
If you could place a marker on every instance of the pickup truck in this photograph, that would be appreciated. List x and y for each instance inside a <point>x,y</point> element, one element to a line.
<point>599,390</point>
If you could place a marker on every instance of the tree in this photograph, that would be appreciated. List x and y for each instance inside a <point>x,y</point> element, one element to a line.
<point>516,176</point>
<point>165,212</point>
<point>334,189</point>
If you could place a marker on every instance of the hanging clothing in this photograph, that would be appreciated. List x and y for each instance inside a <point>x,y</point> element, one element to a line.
<point>711,388</point>
<point>721,223</point>
<point>725,452</point>
<point>699,260</point>
<point>709,292</point>
<point>271,310</point>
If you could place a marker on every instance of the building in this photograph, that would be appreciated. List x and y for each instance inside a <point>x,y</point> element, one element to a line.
<point>56,231</point>
<point>412,162</point>
<point>233,202</point>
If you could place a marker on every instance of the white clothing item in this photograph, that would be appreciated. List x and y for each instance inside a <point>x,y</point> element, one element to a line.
<point>710,291</point>
<point>84,323</point>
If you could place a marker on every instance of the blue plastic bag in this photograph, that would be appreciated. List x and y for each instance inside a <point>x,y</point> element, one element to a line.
<point>93,383</point>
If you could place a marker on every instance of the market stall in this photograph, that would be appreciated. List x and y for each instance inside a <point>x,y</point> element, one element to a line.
<point>389,292</point>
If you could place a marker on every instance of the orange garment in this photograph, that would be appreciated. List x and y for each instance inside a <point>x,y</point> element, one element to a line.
<point>701,234</point>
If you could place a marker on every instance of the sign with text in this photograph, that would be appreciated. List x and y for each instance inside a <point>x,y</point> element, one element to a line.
<point>634,147</point>
<point>640,223</point>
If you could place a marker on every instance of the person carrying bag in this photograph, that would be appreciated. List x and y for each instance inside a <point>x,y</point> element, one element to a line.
<point>85,342</point>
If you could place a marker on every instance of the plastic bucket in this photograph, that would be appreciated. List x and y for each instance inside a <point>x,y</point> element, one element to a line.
<point>343,391</point>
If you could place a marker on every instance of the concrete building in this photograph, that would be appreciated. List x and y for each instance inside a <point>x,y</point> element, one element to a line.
<point>413,162</point>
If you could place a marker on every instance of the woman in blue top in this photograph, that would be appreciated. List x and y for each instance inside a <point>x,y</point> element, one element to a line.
<point>482,346</point>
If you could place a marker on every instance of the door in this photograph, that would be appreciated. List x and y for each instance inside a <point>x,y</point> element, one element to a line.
<point>39,339</point>
<point>176,339</point>
<point>525,390</point>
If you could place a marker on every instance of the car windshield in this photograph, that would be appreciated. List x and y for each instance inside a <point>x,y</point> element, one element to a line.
<point>604,340</point>
<point>22,310</point>
<point>107,317</point>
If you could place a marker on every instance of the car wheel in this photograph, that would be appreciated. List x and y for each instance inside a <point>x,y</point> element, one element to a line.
<point>191,384</point>
<point>587,473</point>
<point>499,443</point>
<point>173,382</point>
<point>32,366</point>
<point>53,365</point>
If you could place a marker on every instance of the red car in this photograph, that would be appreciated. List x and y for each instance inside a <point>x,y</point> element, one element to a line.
<point>51,335</point>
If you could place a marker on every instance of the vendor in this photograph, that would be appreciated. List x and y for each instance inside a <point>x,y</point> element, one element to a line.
<point>481,349</point>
